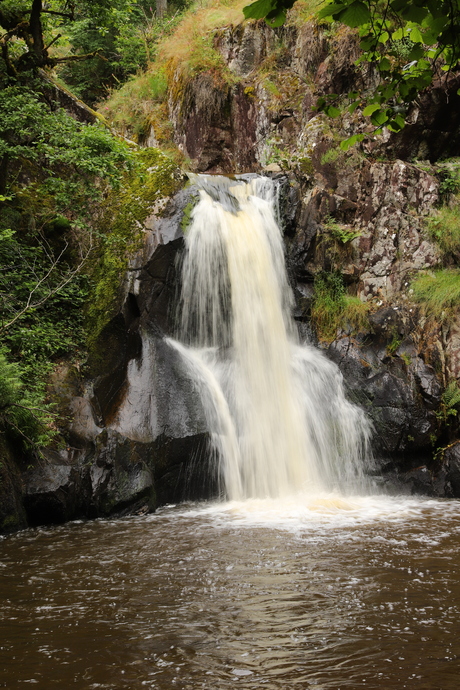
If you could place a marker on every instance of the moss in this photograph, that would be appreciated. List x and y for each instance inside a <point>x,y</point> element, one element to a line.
<point>120,232</point>
<point>187,215</point>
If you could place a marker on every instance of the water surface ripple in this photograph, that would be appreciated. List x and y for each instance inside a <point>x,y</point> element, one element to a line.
<point>325,595</point>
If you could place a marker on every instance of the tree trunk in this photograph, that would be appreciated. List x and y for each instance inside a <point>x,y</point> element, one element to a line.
<point>37,46</point>
<point>3,173</point>
<point>161,8</point>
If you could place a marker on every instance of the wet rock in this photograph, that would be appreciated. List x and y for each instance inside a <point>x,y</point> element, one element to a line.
<point>120,476</point>
<point>390,393</point>
<point>53,494</point>
<point>12,514</point>
<point>418,481</point>
<point>452,465</point>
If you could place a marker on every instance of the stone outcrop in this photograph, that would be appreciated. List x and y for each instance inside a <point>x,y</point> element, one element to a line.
<point>137,435</point>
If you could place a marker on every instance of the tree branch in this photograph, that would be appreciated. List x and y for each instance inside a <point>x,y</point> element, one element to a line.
<point>34,305</point>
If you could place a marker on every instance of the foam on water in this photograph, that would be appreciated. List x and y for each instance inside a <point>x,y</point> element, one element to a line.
<point>315,513</point>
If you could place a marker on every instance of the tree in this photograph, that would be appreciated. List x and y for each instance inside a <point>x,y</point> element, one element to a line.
<point>411,45</point>
<point>32,27</point>
<point>23,24</point>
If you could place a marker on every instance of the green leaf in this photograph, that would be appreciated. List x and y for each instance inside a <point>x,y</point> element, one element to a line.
<point>330,10</point>
<point>384,36</point>
<point>430,37</point>
<point>412,13</point>
<point>379,117</point>
<point>351,141</point>
<point>416,36</point>
<point>352,107</point>
<point>384,65</point>
<point>277,19</point>
<point>332,111</point>
<point>416,53</point>
<point>355,15</point>
<point>258,9</point>
<point>398,35</point>
<point>370,109</point>
<point>393,126</point>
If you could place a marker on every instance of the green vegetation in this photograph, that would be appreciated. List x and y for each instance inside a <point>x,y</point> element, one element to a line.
<point>342,233</point>
<point>394,343</point>
<point>444,228</point>
<point>72,200</point>
<point>123,211</point>
<point>334,309</point>
<point>409,44</point>
<point>24,416</point>
<point>450,402</point>
<point>448,172</point>
<point>185,50</point>
<point>93,45</point>
<point>438,293</point>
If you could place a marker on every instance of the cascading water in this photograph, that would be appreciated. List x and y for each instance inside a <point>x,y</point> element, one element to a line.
<point>278,417</point>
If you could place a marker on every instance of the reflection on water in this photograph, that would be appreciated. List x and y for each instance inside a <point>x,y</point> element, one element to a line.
<point>328,594</point>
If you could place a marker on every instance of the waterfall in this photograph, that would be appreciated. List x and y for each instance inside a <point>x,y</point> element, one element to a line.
<point>276,410</point>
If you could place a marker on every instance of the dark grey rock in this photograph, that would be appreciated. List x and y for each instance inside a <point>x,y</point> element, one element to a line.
<point>452,465</point>
<point>53,494</point>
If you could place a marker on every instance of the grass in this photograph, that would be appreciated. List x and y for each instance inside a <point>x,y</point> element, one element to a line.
<point>444,228</point>
<point>138,104</point>
<point>186,51</point>
<point>333,309</point>
<point>303,11</point>
<point>439,293</point>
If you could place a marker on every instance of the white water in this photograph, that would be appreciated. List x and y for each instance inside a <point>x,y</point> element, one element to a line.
<point>276,410</point>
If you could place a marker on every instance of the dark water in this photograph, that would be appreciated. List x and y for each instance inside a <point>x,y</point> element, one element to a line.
<point>257,595</point>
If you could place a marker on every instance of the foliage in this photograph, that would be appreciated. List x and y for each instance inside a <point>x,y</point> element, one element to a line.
<point>23,414</point>
<point>334,309</point>
<point>93,44</point>
<point>139,105</point>
<point>444,228</point>
<point>33,133</point>
<point>190,48</point>
<point>185,48</point>
<point>55,170</point>
<point>123,48</point>
<point>438,293</point>
<point>409,44</point>
<point>144,190</point>
<point>450,402</point>
<point>394,344</point>
<point>342,233</point>
<point>449,174</point>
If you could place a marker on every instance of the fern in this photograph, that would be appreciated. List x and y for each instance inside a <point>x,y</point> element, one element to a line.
<point>451,397</point>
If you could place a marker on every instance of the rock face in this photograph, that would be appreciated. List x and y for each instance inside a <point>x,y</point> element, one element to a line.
<point>359,214</point>
<point>137,435</point>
